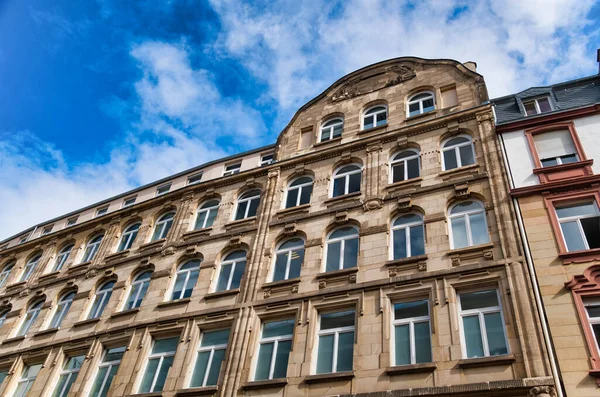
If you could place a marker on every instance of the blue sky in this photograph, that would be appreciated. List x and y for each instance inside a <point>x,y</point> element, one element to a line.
<point>100,96</point>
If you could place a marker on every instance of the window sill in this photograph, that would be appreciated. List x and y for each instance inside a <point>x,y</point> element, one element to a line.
<point>220,294</point>
<point>49,276</point>
<point>460,171</point>
<point>329,142</point>
<point>579,256</point>
<point>197,391</point>
<point>157,394</point>
<point>46,332</point>
<point>79,266</point>
<point>504,359</point>
<point>563,167</point>
<point>421,116</point>
<point>196,233</point>
<point>281,283</point>
<point>332,377</point>
<point>87,322</point>
<point>414,182</point>
<point>176,302</point>
<point>337,273</point>
<point>152,244</point>
<point>293,210</point>
<point>265,384</point>
<point>411,369</point>
<point>13,340</point>
<point>125,312</point>
<point>373,129</point>
<point>241,222</point>
<point>472,248</point>
<point>406,261</point>
<point>16,285</point>
<point>470,253</point>
<point>349,196</point>
<point>117,255</point>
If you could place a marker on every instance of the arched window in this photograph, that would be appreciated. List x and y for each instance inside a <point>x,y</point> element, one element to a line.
<point>247,204</point>
<point>288,259</point>
<point>468,225</point>
<point>342,249</point>
<point>64,304</point>
<point>420,103</point>
<point>299,192</point>
<point>346,180</point>
<point>374,117</point>
<point>92,248</point>
<point>5,273</point>
<point>62,257</point>
<point>3,314</point>
<point>101,299</point>
<point>33,311</point>
<point>331,129</point>
<point>139,287</point>
<point>231,271</point>
<point>128,237</point>
<point>457,152</point>
<point>187,275</point>
<point>408,236</point>
<point>404,166</point>
<point>163,225</point>
<point>207,213</point>
<point>30,267</point>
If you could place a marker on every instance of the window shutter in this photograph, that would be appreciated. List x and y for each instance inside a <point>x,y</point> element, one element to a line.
<point>554,144</point>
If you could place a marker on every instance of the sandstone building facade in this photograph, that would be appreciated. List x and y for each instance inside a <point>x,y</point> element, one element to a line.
<point>550,136</point>
<point>373,248</point>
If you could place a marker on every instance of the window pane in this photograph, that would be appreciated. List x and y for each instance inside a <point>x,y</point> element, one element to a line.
<point>479,231</point>
<point>350,253</point>
<point>422,342</point>
<point>60,385</point>
<point>479,299</point>
<point>212,215</point>
<point>337,320</point>
<point>495,334</point>
<point>544,105</point>
<point>191,283</point>
<point>296,262</point>
<point>263,363</point>
<point>548,162</point>
<point>345,351</point>
<point>142,294</point>
<point>162,374</point>
<point>333,256</point>
<point>399,243</point>
<point>241,210</point>
<point>278,328</point>
<point>339,186</point>
<point>200,369</point>
<point>325,354</point>
<point>413,109</point>
<point>398,172</point>
<point>200,220</point>
<point>473,336</point>
<point>224,277</point>
<point>3,376</point>
<point>569,158</point>
<point>591,229</point>
<point>411,309</point>
<point>23,389</point>
<point>215,367</point>
<point>132,295</point>
<point>450,159</point>
<point>402,341</point>
<point>215,338</point>
<point>466,155</point>
<point>459,232</point>
<point>577,210</point>
<point>417,240</point>
<point>530,108</point>
<point>572,235</point>
<point>337,130</point>
<point>151,368</point>
<point>98,383</point>
<point>165,345</point>
<point>305,194</point>
<point>179,281</point>
<point>354,185</point>
<point>413,168</point>
<point>114,354</point>
<point>237,275</point>
<point>325,134</point>
<point>158,232</point>
<point>280,266</point>
<point>593,310</point>
<point>428,105</point>
<point>281,359</point>
<point>596,329</point>
<point>253,207</point>
<point>292,198</point>
<point>368,122</point>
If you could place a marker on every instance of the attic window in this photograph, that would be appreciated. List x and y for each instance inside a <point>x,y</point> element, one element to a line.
<point>23,239</point>
<point>129,201</point>
<point>164,189</point>
<point>232,169</point>
<point>537,106</point>
<point>71,221</point>
<point>194,178</point>
<point>266,159</point>
<point>47,230</point>
<point>102,211</point>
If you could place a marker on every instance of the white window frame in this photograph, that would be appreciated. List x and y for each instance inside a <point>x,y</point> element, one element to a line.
<point>407,227</point>
<point>127,202</point>
<point>288,253</point>
<point>91,248</point>
<point>592,320</point>
<point>101,211</point>
<point>243,200</point>
<point>234,263</point>
<point>482,328</point>
<point>101,294</point>
<point>576,218</point>
<point>410,321</point>
<point>162,187</point>
<point>467,216</point>
<point>346,177</point>
<point>227,170</point>
<point>5,274</point>
<point>34,310</point>
<point>62,308</point>
<point>336,332</point>
<point>198,176</point>
<point>537,105</point>
<point>299,188</point>
<point>336,121</point>
<point>161,222</point>
<point>69,372</point>
<point>264,162</point>
<point>71,221</point>
<point>456,149</point>
<point>404,160</point>
<point>375,116</point>
<point>30,267</point>
<point>127,236</point>
<point>47,230</point>
<point>201,209</point>
<point>108,364</point>
<point>27,381</point>
<point>411,101</point>
<point>161,357</point>
<point>140,282</point>
<point>329,240</point>
<point>63,257</point>
<point>271,339</point>
<point>187,272</point>
<point>211,349</point>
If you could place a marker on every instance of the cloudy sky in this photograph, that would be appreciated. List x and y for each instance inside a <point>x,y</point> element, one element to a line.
<point>100,96</point>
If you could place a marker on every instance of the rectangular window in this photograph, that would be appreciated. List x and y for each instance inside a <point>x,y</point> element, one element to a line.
<point>107,369</point>
<point>482,324</point>
<point>68,375</point>
<point>555,148</point>
<point>274,350</point>
<point>101,211</point>
<point>27,378</point>
<point>163,189</point>
<point>3,374</point>
<point>71,221</point>
<point>194,178</point>
<point>592,310</point>
<point>211,354</point>
<point>336,342</point>
<point>23,239</point>
<point>412,334</point>
<point>129,201</point>
<point>580,225</point>
<point>232,169</point>
<point>47,230</point>
<point>266,159</point>
<point>537,106</point>
<point>159,362</point>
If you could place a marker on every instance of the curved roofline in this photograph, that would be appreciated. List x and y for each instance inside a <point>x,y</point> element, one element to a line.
<point>350,75</point>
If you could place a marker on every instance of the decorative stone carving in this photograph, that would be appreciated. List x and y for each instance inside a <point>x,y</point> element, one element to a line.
<point>24,292</point>
<point>289,229</point>
<point>322,284</point>
<point>376,147</point>
<point>91,273</point>
<point>295,288</point>
<point>402,141</point>
<point>542,391</point>
<point>168,251</point>
<point>488,255</point>
<point>404,204</point>
<point>373,204</point>
<point>267,294</point>
<point>452,126</point>
<point>373,81</point>
<point>461,190</point>
<point>341,217</point>
<point>346,157</point>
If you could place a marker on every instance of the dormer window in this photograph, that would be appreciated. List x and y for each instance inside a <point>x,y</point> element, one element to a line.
<point>331,129</point>
<point>129,201</point>
<point>47,230</point>
<point>375,117</point>
<point>266,159</point>
<point>537,106</point>
<point>163,189</point>
<point>194,178</point>
<point>24,239</point>
<point>420,103</point>
<point>71,221</point>
<point>101,211</point>
<point>232,169</point>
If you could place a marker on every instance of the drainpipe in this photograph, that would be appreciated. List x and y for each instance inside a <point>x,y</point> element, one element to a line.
<point>534,283</point>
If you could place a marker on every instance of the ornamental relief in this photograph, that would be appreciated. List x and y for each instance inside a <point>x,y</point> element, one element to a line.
<point>366,84</point>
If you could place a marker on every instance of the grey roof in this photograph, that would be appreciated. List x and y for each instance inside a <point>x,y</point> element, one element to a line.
<point>568,95</point>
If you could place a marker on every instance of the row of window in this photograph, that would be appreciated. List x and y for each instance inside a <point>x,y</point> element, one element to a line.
<point>482,334</point>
